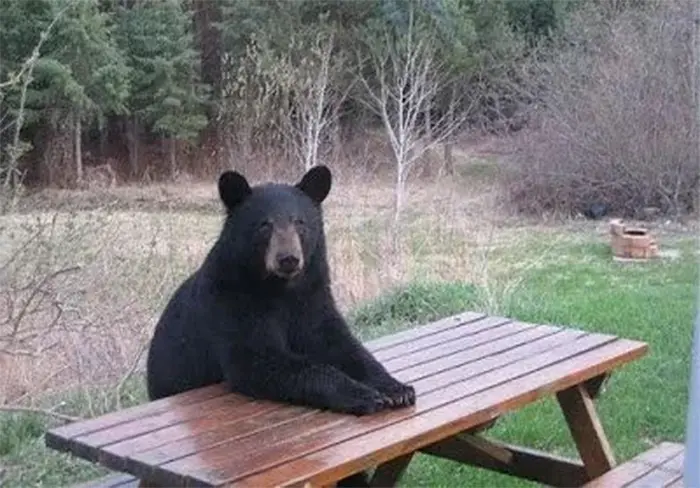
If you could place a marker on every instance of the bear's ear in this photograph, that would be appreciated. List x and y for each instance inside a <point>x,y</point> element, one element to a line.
<point>316,183</point>
<point>233,188</point>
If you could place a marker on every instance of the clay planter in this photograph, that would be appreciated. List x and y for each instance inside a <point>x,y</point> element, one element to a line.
<point>631,243</point>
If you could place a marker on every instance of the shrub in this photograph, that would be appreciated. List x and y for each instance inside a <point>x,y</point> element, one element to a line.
<point>412,304</point>
<point>16,429</point>
<point>619,122</point>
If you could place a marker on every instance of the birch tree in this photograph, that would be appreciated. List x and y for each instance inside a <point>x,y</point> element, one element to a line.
<point>306,77</point>
<point>403,88</point>
<point>316,97</point>
<point>12,118</point>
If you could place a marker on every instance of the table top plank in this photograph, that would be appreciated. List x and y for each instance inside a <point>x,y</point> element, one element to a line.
<point>126,438</point>
<point>459,334</point>
<point>257,428</point>
<point>156,407</point>
<point>659,454</point>
<point>675,463</point>
<point>509,345</point>
<point>388,442</point>
<point>457,365</point>
<point>488,336</point>
<point>655,478</point>
<point>518,350</point>
<point>475,369</point>
<point>248,452</point>
<point>221,417</point>
<point>379,343</point>
<point>59,437</point>
<point>236,406</point>
<point>229,460</point>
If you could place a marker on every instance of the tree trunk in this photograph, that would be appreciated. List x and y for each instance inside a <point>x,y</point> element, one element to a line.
<point>104,132</point>
<point>208,39</point>
<point>132,134</point>
<point>246,143</point>
<point>427,123</point>
<point>395,231</point>
<point>399,193</point>
<point>309,142</point>
<point>77,148</point>
<point>449,158</point>
<point>58,162</point>
<point>337,136</point>
<point>173,158</point>
<point>448,145</point>
<point>12,178</point>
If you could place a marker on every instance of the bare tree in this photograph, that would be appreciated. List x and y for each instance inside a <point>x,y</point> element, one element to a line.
<point>22,79</point>
<point>408,80</point>
<point>290,95</point>
<point>315,95</point>
<point>617,125</point>
<point>248,102</point>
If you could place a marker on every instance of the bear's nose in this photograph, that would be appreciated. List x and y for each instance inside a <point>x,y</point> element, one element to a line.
<point>287,263</point>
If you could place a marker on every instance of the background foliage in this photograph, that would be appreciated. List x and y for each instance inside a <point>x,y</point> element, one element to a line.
<point>155,89</point>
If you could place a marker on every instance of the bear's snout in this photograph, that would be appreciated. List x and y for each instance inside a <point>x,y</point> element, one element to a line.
<point>288,264</point>
<point>284,257</point>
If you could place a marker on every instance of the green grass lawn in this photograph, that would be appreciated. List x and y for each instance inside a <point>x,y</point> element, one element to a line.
<point>643,403</point>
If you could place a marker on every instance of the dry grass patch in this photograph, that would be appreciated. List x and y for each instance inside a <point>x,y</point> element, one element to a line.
<point>90,324</point>
<point>80,291</point>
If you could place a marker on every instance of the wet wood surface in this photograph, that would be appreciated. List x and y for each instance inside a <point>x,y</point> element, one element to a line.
<point>467,370</point>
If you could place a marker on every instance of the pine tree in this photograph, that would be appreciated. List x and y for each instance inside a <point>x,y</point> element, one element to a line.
<point>167,95</point>
<point>79,78</point>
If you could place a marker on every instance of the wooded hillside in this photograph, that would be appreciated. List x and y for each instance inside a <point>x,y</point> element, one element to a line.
<point>146,90</point>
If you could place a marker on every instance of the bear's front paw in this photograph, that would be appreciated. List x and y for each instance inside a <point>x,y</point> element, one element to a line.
<point>398,394</point>
<point>363,400</point>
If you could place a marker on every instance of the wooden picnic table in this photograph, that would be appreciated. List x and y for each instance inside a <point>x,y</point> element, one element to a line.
<point>468,370</point>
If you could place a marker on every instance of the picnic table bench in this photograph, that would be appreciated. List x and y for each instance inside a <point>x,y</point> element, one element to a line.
<point>660,466</point>
<point>467,369</point>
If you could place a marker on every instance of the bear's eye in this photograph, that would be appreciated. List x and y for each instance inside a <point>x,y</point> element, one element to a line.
<point>265,226</point>
<point>299,222</point>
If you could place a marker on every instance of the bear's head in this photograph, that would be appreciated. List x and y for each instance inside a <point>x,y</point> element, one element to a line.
<point>275,230</point>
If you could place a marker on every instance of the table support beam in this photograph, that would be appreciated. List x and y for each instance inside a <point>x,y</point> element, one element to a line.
<point>504,458</point>
<point>586,429</point>
<point>389,473</point>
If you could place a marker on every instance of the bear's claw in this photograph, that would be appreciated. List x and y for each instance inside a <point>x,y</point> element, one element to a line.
<point>397,394</point>
<point>365,400</point>
<point>401,395</point>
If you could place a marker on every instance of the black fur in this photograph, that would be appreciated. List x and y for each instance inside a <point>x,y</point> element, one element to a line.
<point>263,335</point>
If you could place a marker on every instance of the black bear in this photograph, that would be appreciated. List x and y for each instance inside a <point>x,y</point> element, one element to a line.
<point>259,314</point>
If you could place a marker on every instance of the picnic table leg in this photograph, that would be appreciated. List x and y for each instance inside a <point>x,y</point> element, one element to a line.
<point>147,484</point>
<point>595,385</point>
<point>579,411</point>
<point>385,475</point>
<point>389,473</point>
<point>581,416</point>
